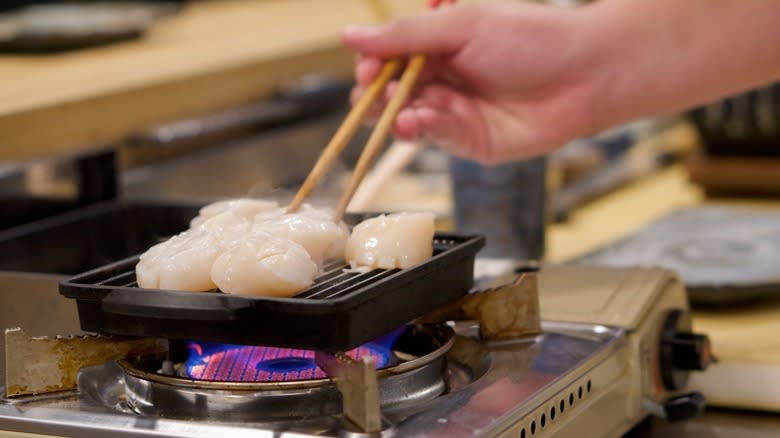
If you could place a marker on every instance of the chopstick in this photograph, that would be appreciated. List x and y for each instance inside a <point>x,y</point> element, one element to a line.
<point>343,134</point>
<point>352,122</point>
<point>382,129</point>
<point>398,155</point>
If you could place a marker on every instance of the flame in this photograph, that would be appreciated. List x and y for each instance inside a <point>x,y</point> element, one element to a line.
<point>252,363</point>
<point>196,347</point>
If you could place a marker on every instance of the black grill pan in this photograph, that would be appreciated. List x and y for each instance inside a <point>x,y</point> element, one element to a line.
<point>341,311</point>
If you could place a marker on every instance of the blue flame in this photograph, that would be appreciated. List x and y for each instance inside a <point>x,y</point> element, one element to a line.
<point>251,363</point>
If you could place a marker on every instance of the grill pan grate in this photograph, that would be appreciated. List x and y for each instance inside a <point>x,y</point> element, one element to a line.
<point>341,310</point>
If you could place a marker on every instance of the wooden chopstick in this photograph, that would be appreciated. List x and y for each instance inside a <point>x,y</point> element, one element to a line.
<point>354,118</point>
<point>382,129</point>
<point>397,156</point>
<point>345,132</point>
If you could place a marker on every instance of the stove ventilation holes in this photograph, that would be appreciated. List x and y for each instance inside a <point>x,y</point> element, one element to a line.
<point>544,417</point>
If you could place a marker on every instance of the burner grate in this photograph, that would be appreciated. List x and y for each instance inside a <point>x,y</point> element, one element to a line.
<point>249,363</point>
<point>267,384</point>
<point>338,280</point>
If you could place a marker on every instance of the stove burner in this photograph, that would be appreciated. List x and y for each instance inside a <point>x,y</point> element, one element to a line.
<point>414,371</point>
<point>236,363</point>
<point>254,363</point>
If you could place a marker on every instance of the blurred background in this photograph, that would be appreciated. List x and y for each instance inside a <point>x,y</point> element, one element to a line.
<point>118,119</point>
<point>151,93</point>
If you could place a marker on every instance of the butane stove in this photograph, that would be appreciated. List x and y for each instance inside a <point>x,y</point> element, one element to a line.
<point>615,347</point>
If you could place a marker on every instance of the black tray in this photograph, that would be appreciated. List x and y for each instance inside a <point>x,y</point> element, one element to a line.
<point>341,311</point>
<point>93,236</point>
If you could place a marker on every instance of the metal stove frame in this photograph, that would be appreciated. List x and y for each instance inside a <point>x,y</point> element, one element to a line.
<point>541,385</point>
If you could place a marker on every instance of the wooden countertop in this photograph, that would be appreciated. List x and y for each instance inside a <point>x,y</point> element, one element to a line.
<point>9,434</point>
<point>212,55</point>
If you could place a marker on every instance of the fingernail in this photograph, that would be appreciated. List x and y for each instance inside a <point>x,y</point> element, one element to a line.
<point>355,30</point>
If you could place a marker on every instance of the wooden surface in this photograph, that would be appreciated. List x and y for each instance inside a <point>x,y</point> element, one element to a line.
<point>740,175</point>
<point>9,434</point>
<point>212,55</point>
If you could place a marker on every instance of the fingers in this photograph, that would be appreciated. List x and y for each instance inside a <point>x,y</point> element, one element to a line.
<point>376,108</point>
<point>438,114</point>
<point>444,116</point>
<point>438,31</point>
<point>435,127</point>
<point>366,69</point>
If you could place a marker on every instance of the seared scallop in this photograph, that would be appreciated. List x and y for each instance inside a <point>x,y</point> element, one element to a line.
<point>264,265</point>
<point>226,227</point>
<point>391,241</point>
<point>245,207</point>
<point>182,262</point>
<point>311,228</point>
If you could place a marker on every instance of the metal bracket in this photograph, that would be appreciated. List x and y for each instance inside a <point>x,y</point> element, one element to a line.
<point>359,386</point>
<point>508,311</point>
<point>41,365</point>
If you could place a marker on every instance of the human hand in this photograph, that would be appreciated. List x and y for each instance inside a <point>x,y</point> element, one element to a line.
<point>507,80</point>
<point>503,80</point>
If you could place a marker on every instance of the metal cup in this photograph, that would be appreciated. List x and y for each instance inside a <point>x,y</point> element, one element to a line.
<point>506,203</point>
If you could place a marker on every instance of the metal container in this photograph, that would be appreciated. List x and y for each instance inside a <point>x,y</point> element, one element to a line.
<point>505,203</point>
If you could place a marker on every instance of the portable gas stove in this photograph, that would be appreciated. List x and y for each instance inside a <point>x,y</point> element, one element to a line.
<point>615,347</point>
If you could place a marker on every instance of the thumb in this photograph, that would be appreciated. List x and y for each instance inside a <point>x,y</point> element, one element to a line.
<point>438,31</point>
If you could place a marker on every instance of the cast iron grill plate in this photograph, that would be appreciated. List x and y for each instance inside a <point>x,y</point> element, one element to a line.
<point>340,311</point>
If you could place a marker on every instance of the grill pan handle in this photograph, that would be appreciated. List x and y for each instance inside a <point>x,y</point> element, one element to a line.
<point>200,306</point>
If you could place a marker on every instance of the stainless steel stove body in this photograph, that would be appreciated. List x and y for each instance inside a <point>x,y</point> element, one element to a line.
<point>581,376</point>
<point>519,377</point>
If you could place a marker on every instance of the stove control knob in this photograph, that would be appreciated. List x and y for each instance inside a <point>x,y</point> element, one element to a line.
<point>681,351</point>
<point>690,351</point>
<point>683,407</point>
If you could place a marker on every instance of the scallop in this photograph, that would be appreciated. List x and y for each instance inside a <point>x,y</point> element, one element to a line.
<point>392,241</point>
<point>264,265</point>
<point>227,227</point>
<point>147,271</point>
<point>311,228</point>
<point>183,262</point>
<point>245,207</point>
